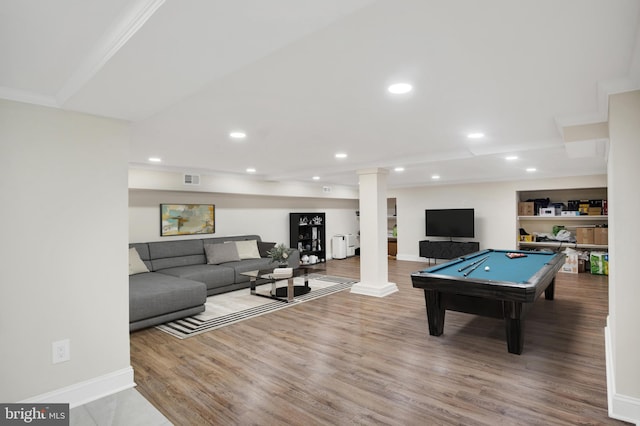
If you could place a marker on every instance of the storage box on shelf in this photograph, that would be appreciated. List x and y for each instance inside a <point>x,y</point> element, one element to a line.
<point>584,236</point>
<point>583,207</point>
<point>527,238</point>
<point>526,208</point>
<point>601,236</point>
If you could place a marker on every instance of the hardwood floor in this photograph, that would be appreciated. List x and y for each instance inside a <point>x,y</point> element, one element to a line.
<point>349,359</point>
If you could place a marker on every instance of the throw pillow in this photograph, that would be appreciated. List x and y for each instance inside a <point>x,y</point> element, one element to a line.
<point>221,253</point>
<point>263,248</point>
<point>136,265</point>
<point>248,249</point>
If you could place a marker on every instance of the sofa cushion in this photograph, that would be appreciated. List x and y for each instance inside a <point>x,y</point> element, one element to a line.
<point>136,265</point>
<point>263,248</point>
<point>218,240</point>
<point>154,294</point>
<point>143,251</point>
<point>221,253</point>
<point>169,254</point>
<point>212,275</point>
<point>248,249</point>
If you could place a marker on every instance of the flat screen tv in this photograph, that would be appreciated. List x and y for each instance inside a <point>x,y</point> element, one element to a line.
<point>449,223</point>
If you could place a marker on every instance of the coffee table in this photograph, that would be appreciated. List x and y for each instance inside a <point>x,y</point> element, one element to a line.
<point>284,294</point>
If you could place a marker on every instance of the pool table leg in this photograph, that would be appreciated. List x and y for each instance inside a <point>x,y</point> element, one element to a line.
<point>435,312</point>
<point>550,290</point>
<point>514,326</point>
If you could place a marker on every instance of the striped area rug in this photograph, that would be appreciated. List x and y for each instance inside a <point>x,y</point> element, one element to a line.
<point>211,319</point>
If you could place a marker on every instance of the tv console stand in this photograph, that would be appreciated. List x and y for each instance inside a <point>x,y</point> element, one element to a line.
<point>447,249</point>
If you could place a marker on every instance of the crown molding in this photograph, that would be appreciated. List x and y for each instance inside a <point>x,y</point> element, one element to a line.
<point>129,22</point>
<point>123,28</point>
<point>27,97</point>
<point>604,90</point>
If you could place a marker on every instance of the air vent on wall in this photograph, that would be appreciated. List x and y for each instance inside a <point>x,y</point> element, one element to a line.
<point>191,179</point>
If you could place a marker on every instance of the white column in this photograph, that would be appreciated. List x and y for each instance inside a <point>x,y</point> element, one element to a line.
<point>621,340</point>
<point>374,269</point>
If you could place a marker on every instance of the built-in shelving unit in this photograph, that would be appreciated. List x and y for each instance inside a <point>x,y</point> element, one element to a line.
<point>544,224</point>
<point>307,234</point>
<point>392,223</point>
<point>561,245</point>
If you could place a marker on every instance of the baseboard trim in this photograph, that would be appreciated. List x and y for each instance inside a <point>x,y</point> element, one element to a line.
<point>621,407</point>
<point>374,289</point>
<point>411,258</point>
<point>89,390</point>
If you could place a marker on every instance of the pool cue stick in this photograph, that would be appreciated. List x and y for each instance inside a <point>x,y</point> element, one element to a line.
<point>475,267</point>
<point>473,263</point>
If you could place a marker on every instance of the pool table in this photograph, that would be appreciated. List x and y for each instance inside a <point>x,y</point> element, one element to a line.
<point>493,283</point>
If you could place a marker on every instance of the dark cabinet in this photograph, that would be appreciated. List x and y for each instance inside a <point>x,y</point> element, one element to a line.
<point>447,249</point>
<point>307,234</point>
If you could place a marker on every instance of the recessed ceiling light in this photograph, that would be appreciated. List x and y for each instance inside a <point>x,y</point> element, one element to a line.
<point>251,170</point>
<point>399,169</point>
<point>531,169</point>
<point>400,88</point>
<point>316,178</point>
<point>341,155</point>
<point>155,159</point>
<point>511,157</point>
<point>475,135</point>
<point>237,135</point>
<point>435,177</point>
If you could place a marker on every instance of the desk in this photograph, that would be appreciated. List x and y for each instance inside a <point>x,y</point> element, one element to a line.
<point>506,291</point>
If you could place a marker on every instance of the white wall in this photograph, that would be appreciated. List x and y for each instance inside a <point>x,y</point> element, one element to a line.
<point>495,207</point>
<point>238,214</point>
<point>63,186</point>
<point>152,178</point>
<point>623,364</point>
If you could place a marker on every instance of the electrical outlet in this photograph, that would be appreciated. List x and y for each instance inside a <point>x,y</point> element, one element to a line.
<point>61,351</point>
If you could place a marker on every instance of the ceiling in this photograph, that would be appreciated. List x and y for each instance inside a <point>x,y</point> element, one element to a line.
<point>308,79</point>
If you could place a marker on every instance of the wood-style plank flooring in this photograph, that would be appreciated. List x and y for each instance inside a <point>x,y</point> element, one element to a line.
<point>348,359</point>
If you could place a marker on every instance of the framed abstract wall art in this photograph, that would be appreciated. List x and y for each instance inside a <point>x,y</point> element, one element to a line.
<point>187,219</point>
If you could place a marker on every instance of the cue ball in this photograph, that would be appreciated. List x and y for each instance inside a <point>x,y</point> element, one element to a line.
<point>486,268</point>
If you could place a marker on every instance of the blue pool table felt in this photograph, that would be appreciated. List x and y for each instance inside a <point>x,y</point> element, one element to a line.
<point>517,270</point>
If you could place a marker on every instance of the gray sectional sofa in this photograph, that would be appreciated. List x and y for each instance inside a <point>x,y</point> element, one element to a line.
<point>182,273</point>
